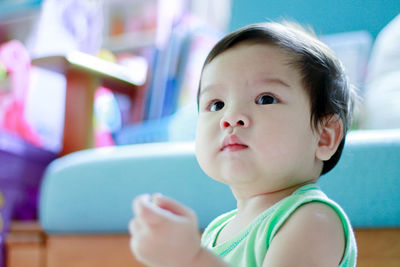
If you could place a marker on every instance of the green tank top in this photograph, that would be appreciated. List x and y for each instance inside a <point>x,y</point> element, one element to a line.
<point>250,246</point>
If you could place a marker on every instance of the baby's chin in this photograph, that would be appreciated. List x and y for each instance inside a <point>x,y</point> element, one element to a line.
<point>239,174</point>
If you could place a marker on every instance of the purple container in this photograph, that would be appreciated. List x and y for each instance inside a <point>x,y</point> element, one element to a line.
<point>21,169</point>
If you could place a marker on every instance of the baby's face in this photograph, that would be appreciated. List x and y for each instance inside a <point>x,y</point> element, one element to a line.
<point>254,130</point>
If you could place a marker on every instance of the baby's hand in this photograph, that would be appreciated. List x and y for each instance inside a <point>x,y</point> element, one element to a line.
<point>163,232</point>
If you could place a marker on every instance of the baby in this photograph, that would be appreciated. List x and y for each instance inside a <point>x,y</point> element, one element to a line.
<point>274,108</point>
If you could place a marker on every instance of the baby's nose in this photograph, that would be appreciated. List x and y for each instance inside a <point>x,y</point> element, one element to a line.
<point>235,121</point>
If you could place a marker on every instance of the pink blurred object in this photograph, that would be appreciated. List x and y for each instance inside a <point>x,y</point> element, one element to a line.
<point>103,138</point>
<point>16,60</point>
<point>107,117</point>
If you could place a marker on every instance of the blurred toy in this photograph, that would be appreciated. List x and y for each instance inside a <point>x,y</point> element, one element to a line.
<point>107,117</point>
<point>16,61</point>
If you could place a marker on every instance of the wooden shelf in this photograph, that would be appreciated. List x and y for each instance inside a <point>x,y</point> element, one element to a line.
<point>84,74</point>
<point>110,74</point>
<point>25,245</point>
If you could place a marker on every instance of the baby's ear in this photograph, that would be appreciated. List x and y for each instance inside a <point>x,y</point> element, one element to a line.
<point>330,136</point>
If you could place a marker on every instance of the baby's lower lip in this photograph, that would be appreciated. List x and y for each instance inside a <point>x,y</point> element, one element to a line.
<point>233,148</point>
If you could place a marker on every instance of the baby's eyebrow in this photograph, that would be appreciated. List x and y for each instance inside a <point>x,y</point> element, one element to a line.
<point>213,87</point>
<point>207,89</point>
<point>274,81</point>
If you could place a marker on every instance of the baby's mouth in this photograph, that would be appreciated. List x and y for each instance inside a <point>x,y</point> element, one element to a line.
<point>234,147</point>
<point>232,143</point>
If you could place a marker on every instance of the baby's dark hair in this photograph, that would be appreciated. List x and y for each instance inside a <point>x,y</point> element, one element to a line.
<point>322,73</point>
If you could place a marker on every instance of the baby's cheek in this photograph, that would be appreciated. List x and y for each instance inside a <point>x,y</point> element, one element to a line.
<point>202,157</point>
<point>273,144</point>
<point>205,157</point>
<point>199,147</point>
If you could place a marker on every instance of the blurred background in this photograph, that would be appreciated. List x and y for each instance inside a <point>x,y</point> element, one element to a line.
<point>161,46</point>
<point>78,74</point>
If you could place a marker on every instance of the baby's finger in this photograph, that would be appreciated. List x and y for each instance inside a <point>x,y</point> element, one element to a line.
<point>172,206</point>
<point>147,211</point>
<point>136,203</point>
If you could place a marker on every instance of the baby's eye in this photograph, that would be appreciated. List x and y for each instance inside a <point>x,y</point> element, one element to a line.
<point>216,105</point>
<point>266,99</point>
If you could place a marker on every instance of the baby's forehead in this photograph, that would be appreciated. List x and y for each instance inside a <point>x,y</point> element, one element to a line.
<point>259,53</point>
<point>258,62</point>
<point>256,44</point>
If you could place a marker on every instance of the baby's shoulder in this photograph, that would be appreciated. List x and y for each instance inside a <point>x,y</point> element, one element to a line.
<point>317,215</point>
<point>313,232</point>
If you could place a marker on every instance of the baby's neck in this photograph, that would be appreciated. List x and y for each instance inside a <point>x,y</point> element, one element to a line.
<point>248,203</point>
<point>249,207</point>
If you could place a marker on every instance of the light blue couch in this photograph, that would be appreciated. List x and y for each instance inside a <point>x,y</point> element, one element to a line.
<point>91,191</point>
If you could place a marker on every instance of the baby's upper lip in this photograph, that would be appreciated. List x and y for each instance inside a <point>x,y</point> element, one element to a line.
<point>231,140</point>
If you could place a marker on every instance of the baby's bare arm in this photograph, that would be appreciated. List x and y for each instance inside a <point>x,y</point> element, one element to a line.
<point>312,237</point>
<point>165,233</point>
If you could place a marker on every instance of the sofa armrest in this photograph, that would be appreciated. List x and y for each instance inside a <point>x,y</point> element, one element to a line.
<point>91,191</point>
